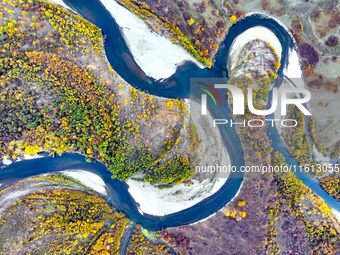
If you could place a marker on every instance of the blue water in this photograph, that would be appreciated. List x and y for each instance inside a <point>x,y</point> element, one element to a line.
<point>312,183</point>
<point>177,86</point>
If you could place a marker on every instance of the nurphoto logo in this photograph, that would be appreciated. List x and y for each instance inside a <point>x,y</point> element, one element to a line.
<point>274,104</point>
<point>239,100</point>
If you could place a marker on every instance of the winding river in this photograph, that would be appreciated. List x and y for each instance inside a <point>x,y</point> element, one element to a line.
<point>176,86</point>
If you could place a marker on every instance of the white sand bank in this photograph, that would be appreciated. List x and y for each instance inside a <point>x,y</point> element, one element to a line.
<point>88,179</point>
<point>161,202</point>
<point>157,56</point>
<point>61,3</point>
<point>257,32</point>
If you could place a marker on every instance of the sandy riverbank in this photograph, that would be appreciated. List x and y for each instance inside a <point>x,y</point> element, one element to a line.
<point>157,56</point>
<point>155,201</point>
<point>88,179</point>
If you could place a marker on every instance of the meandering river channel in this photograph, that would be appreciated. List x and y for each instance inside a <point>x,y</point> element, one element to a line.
<point>176,86</point>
